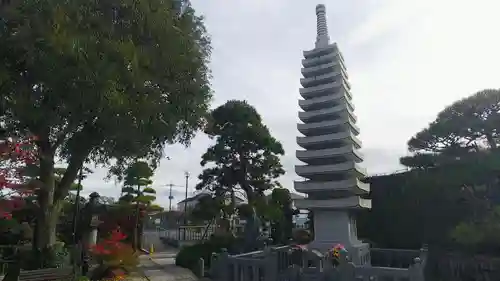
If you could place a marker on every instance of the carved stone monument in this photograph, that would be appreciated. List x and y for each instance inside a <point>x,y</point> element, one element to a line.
<point>330,148</point>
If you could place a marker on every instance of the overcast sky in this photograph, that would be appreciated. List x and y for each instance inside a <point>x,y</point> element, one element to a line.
<point>407,60</point>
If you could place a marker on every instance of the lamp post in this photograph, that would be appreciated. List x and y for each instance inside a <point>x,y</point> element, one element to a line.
<point>76,207</point>
<point>186,174</point>
<point>77,254</point>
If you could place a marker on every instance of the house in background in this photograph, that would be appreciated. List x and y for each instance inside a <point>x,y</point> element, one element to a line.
<point>166,219</point>
<point>175,218</point>
<point>191,202</point>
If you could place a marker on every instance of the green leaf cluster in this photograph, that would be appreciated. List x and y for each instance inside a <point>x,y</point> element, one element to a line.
<point>469,125</point>
<point>102,81</point>
<point>245,156</point>
<point>136,184</point>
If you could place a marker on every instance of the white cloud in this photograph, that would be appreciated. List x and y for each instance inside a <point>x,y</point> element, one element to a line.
<point>407,59</point>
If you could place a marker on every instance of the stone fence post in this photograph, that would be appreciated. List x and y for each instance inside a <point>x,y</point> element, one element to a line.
<point>271,265</point>
<point>424,252</point>
<point>219,266</point>
<point>200,268</point>
<point>346,271</point>
<point>416,270</point>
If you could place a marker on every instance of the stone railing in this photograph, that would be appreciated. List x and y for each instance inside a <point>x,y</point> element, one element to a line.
<point>191,232</point>
<point>396,257</point>
<point>280,264</point>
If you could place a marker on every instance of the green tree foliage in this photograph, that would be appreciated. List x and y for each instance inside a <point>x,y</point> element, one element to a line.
<point>137,191</point>
<point>480,235</point>
<point>244,155</point>
<point>99,80</point>
<point>208,208</point>
<point>453,178</point>
<point>470,125</point>
<point>136,184</point>
<point>280,204</point>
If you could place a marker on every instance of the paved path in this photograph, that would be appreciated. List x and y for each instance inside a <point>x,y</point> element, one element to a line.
<point>152,238</point>
<point>160,266</point>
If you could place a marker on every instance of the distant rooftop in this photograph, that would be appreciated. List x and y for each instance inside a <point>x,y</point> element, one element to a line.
<point>201,195</point>
<point>293,195</point>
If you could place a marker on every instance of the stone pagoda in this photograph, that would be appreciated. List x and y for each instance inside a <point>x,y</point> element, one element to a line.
<point>330,148</point>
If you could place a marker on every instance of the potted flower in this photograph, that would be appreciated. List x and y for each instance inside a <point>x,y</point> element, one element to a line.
<point>337,254</point>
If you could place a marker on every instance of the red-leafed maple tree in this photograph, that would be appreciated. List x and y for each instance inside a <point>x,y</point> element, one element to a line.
<point>122,216</point>
<point>16,158</point>
<point>115,257</point>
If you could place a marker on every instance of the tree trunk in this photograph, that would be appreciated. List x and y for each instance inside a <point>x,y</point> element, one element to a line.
<point>491,141</point>
<point>48,214</point>
<point>244,180</point>
<point>46,229</point>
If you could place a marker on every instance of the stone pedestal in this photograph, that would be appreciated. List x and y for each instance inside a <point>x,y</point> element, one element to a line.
<point>92,234</point>
<point>332,227</point>
<point>93,237</point>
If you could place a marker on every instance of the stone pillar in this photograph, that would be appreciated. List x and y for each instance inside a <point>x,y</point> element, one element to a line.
<point>92,235</point>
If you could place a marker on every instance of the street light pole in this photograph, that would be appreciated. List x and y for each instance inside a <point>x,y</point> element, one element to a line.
<point>76,207</point>
<point>186,174</point>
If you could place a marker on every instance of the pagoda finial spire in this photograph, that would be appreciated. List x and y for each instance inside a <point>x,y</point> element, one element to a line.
<point>322,39</point>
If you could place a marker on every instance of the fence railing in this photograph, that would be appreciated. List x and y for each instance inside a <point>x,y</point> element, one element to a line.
<point>191,232</point>
<point>280,264</point>
<point>399,258</point>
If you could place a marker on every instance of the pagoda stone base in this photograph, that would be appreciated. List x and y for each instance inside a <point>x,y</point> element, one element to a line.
<point>332,227</point>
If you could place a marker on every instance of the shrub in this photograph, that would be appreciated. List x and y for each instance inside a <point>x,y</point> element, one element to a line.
<point>223,240</point>
<point>189,256</point>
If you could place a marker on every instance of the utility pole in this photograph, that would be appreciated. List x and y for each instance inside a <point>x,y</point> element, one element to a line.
<point>170,194</point>
<point>186,174</point>
<point>170,197</point>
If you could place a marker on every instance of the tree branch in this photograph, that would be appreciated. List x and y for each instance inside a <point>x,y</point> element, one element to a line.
<point>76,160</point>
<point>61,137</point>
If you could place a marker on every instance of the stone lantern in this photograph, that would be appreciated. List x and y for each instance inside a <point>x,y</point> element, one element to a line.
<point>90,223</point>
<point>92,219</point>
